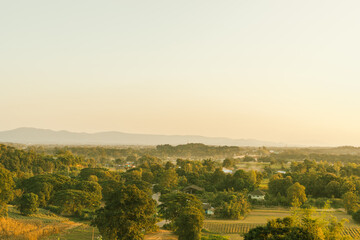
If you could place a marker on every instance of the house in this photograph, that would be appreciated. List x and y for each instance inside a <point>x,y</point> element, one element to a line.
<point>257,195</point>
<point>225,170</point>
<point>193,189</point>
<point>209,210</point>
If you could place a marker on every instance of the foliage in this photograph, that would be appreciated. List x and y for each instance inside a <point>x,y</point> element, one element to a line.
<point>231,205</point>
<point>174,203</point>
<point>301,225</point>
<point>228,163</point>
<point>72,202</point>
<point>356,216</point>
<point>351,202</point>
<point>6,186</point>
<point>189,223</point>
<point>185,213</point>
<point>279,229</point>
<point>28,204</point>
<point>127,215</point>
<point>45,186</point>
<point>279,185</point>
<point>296,194</point>
<point>28,161</point>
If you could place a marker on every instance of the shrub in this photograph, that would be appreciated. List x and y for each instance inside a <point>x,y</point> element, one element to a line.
<point>356,216</point>
<point>28,204</point>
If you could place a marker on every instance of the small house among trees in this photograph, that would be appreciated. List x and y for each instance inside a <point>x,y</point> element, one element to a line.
<point>209,210</point>
<point>257,195</point>
<point>193,189</point>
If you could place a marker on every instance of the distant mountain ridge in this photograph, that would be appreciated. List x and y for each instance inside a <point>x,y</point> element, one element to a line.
<point>46,136</point>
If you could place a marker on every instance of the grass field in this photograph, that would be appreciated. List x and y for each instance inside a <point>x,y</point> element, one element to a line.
<point>43,225</point>
<point>82,232</point>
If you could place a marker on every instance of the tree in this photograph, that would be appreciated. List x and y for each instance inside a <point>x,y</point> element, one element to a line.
<point>6,187</point>
<point>185,213</point>
<point>278,184</point>
<point>278,229</point>
<point>174,203</point>
<point>356,216</point>
<point>28,204</point>
<point>72,202</point>
<point>351,202</point>
<point>45,186</point>
<point>228,163</point>
<point>232,205</point>
<point>189,223</point>
<point>127,215</point>
<point>169,179</point>
<point>302,225</point>
<point>332,189</point>
<point>249,159</point>
<point>296,194</point>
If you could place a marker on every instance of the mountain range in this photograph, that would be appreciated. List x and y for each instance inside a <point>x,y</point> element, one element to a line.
<point>46,136</point>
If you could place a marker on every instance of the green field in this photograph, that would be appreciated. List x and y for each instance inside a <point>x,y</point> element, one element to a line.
<point>83,232</point>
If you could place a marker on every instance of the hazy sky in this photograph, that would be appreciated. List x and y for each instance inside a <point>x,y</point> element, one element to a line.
<point>278,70</point>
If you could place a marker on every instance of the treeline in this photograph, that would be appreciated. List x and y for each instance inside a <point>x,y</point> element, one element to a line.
<point>191,151</point>
<point>285,156</point>
<point>30,162</point>
<point>198,150</point>
<point>318,181</point>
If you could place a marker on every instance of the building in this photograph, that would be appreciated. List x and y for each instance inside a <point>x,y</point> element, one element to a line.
<point>257,195</point>
<point>209,210</point>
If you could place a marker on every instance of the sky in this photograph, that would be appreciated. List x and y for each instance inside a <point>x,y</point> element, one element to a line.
<point>281,70</point>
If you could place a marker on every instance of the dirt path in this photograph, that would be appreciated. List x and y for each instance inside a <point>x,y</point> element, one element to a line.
<point>161,235</point>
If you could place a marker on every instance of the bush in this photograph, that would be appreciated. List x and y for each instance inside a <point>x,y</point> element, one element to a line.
<point>169,226</point>
<point>356,216</point>
<point>321,202</point>
<point>337,203</point>
<point>54,209</point>
<point>28,204</point>
<point>87,214</point>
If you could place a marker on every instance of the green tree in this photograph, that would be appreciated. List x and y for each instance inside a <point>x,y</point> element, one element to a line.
<point>169,179</point>
<point>228,163</point>
<point>279,229</point>
<point>304,226</point>
<point>356,216</point>
<point>28,204</point>
<point>174,203</point>
<point>127,215</point>
<point>279,185</point>
<point>189,223</point>
<point>6,190</point>
<point>351,202</point>
<point>296,194</point>
<point>72,202</point>
<point>233,205</point>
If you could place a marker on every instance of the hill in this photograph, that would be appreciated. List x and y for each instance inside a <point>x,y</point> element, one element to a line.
<point>46,136</point>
